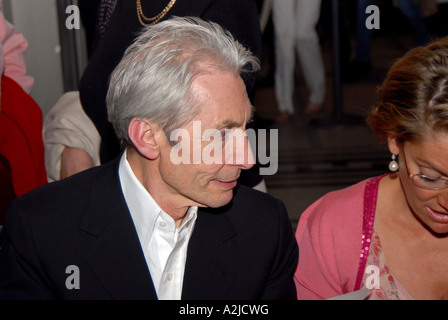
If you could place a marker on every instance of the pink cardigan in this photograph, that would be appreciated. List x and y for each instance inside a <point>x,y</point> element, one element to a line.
<point>333,236</point>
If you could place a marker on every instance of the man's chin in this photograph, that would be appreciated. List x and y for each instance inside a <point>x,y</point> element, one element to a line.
<point>220,200</point>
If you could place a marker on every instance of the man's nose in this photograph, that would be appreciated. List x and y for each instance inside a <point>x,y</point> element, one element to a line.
<point>238,150</point>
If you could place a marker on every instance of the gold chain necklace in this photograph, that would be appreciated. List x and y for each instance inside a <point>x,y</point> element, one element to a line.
<point>144,21</point>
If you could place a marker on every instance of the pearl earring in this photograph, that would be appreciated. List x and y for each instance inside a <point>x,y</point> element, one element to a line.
<point>393,165</point>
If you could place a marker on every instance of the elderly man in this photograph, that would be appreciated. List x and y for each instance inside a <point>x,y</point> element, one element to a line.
<point>159,221</point>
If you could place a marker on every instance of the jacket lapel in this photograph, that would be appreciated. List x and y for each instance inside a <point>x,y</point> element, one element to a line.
<point>115,254</point>
<point>115,257</point>
<point>213,258</point>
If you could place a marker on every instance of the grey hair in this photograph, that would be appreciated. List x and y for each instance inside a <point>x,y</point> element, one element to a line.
<point>154,77</point>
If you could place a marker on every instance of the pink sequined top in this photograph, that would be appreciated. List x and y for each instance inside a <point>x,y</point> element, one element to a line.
<point>339,250</point>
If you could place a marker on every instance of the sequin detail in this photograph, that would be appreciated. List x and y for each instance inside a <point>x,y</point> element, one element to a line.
<point>370,199</point>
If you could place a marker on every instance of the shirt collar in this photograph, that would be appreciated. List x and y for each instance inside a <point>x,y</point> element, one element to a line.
<point>143,208</point>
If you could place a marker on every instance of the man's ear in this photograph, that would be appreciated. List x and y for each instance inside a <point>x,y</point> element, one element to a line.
<point>142,134</point>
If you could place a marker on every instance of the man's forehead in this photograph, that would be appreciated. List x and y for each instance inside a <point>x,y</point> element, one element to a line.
<point>232,121</point>
<point>208,91</point>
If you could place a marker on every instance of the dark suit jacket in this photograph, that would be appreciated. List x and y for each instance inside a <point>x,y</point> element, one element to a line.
<point>245,250</point>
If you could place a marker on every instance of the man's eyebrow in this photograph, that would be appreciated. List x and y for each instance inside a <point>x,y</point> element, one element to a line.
<point>229,123</point>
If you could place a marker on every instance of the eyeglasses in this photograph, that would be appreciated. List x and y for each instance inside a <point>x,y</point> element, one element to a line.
<point>426,182</point>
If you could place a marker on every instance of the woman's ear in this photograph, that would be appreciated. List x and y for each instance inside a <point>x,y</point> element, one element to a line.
<point>393,145</point>
<point>142,134</point>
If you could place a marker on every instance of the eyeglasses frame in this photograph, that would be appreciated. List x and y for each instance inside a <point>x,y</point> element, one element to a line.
<point>411,177</point>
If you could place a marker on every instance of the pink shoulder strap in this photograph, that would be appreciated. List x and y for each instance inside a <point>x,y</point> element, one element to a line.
<point>370,199</point>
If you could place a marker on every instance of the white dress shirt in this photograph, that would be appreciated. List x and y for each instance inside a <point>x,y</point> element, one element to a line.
<point>164,245</point>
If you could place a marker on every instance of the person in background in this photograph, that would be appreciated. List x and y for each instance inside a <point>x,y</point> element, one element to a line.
<point>389,233</point>
<point>295,29</point>
<point>145,226</point>
<point>414,11</point>
<point>22,166</point>
<point>13,49</point>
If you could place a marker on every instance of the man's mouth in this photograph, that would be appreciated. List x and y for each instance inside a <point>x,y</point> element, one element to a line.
<point>228,184</point>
